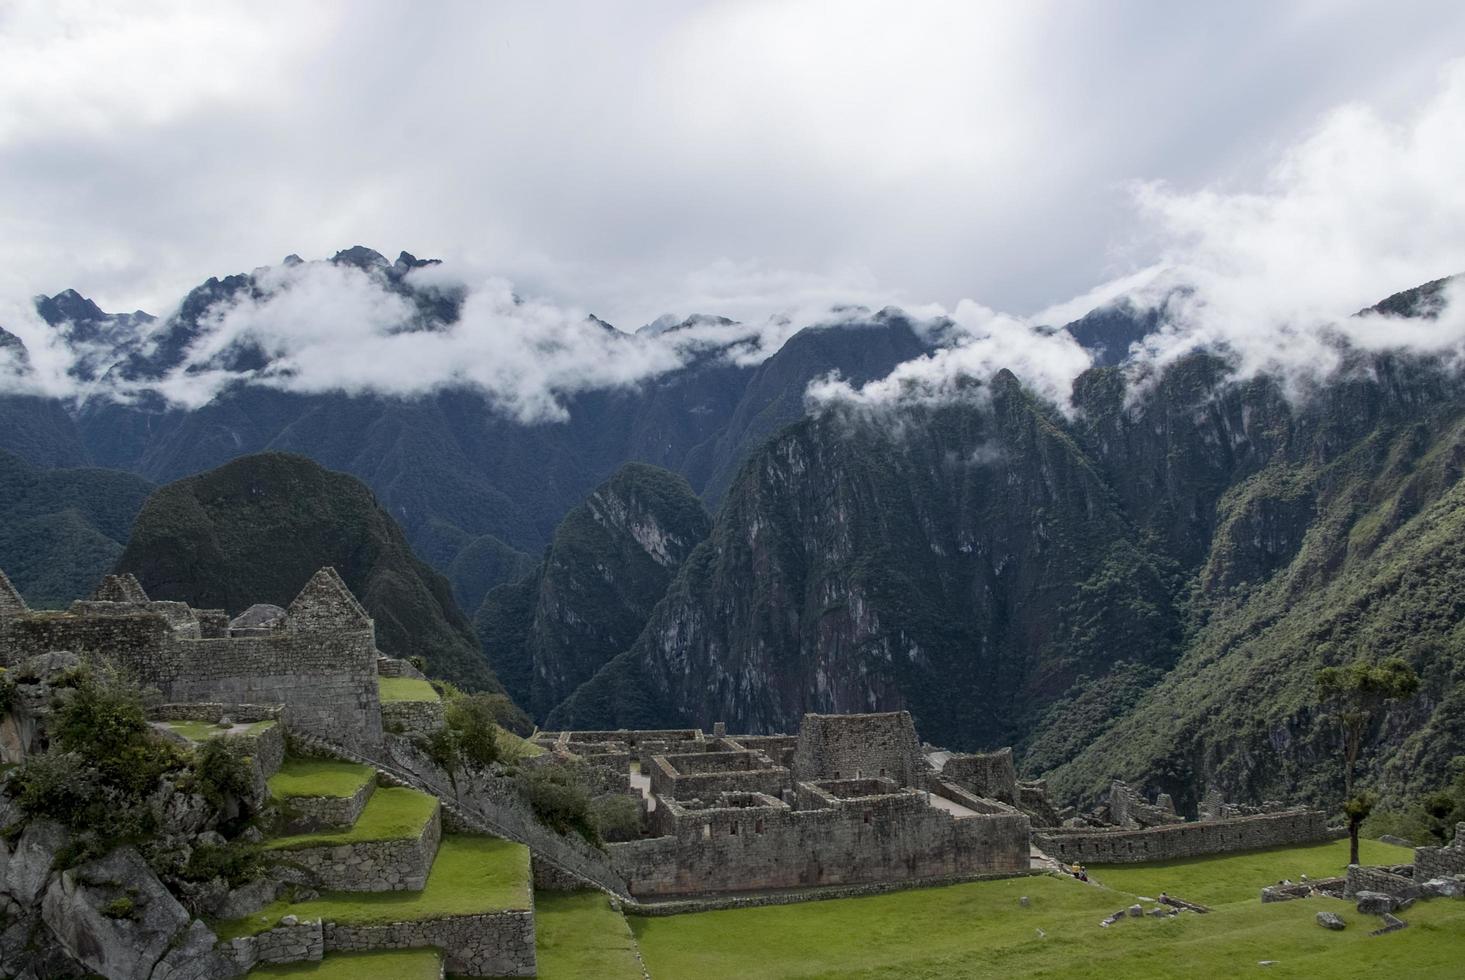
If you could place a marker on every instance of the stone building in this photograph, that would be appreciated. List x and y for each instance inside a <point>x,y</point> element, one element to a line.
<point>318,659</point>
<point>849,801</point>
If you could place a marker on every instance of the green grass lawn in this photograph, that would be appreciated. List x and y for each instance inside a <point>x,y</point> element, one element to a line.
<point>578,935</point>
<point>194,731</point>
<point>1219,879</point>
<point>403,964</point>
<point>200,731</point>
<point>982,930</point>
<point>405,689</point>
<point>393,813</point>
<point>515,747</point>
<point>319,777</point>
<point>471,875</point>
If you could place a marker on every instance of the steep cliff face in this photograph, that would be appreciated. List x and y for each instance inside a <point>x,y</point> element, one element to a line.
<point>1143,587</point>
<point>256,529</point>
<point>1346,543</point>
<point>610,562</point>
<point>940,562</point>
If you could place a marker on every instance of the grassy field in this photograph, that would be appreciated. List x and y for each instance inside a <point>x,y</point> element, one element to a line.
<point>983,930</point>
<point>579,936</point>
<point>471,875</point>
<point>319,777</point>
<point>405,689</point>
<point>394,813</point>
<point>405,964</point>
<point>515,747</point>
<point>1240,877</point>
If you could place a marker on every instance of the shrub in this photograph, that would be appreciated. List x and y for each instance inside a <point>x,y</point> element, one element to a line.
<point>119,908</point>
<point>235,862</point>
<point>616,817</point>
<point>472,718</point>
<point>560,800</point>
<point>224,775</point>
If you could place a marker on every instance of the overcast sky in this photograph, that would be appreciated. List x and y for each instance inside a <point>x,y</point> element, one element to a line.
<point>639,158</point>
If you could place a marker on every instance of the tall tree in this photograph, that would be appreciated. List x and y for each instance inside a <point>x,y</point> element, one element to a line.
<point>1356,693</point>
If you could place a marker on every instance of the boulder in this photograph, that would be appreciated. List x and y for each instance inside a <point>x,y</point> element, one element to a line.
<point>1331,920</point>
<point>1135,911</point>
<point>1376,903</point>
<point>1443,888</point>
<point>195,958</point>
<point>248,898</point>
<point>114,915</point>
<point>28,868</point>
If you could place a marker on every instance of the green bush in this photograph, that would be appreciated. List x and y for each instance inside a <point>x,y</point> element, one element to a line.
<point>120,908</point>
<point>235,862</point>
<point>560,799</point>
<point>616,817</point>
<point>472,718</point>
<point>224,776</point>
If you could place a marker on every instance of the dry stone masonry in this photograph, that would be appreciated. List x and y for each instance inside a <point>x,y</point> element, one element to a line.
<point>319,660</point>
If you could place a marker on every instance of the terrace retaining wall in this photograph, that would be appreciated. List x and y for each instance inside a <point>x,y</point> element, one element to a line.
<point>371,866</point>
<point>1185,839</point>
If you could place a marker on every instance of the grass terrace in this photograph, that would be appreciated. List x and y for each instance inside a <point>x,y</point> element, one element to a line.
<point>983,930</point>
<point>1224,878</point>
<point>515,747</point>
<point>471,875</point>
<point>202,731</point>
<point>394,813</point>
<point>578,935</point>
<point>319,777</point>
<point>405,689</point>
<point>397,964</point>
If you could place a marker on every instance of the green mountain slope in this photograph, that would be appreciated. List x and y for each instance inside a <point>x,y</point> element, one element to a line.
<point>62,530</point>
<point>254,530</point>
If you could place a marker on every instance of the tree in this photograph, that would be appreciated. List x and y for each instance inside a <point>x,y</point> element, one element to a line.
<point>1356,693</point>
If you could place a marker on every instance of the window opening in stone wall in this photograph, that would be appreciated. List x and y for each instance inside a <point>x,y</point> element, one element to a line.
<point>706,831</point>
<point>733,830</point>
<point>758,827</point>
<point>867,816</point>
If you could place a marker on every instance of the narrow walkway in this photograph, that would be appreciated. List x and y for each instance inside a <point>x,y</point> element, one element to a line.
<point>641,783</point>
<point>950,806</point>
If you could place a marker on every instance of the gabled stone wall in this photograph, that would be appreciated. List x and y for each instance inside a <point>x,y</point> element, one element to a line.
<point>321,665</point>
<point>845,746</point>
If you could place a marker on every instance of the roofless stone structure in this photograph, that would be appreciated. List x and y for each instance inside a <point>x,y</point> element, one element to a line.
<point>318,660</point>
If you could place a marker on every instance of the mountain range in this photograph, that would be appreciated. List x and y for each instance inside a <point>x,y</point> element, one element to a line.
<point>1139,584</point>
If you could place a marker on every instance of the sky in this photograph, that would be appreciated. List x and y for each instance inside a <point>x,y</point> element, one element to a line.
<point>1005,164</point>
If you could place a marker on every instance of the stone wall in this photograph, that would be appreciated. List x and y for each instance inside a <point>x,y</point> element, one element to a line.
<point>987,774</point>
<point>302,942</point>
<point>321,665</point>
<point>705,774</point>
<point>1363,878</point>
<point>1441,862</point>
<point>266,748</point>
<point>494,944</point>
<point>370,866</point>
<point>309,814</point>
<point>412,717</point>
<point>840,746</point>
<point>880,838</point>
<point>1184,839</point>
<point>504,812</point>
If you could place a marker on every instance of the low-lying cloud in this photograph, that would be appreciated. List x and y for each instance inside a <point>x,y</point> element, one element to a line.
<point>1360,207</point>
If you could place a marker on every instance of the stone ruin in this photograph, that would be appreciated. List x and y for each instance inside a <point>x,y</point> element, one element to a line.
<point>318,658</point>
<point>849,801</point>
